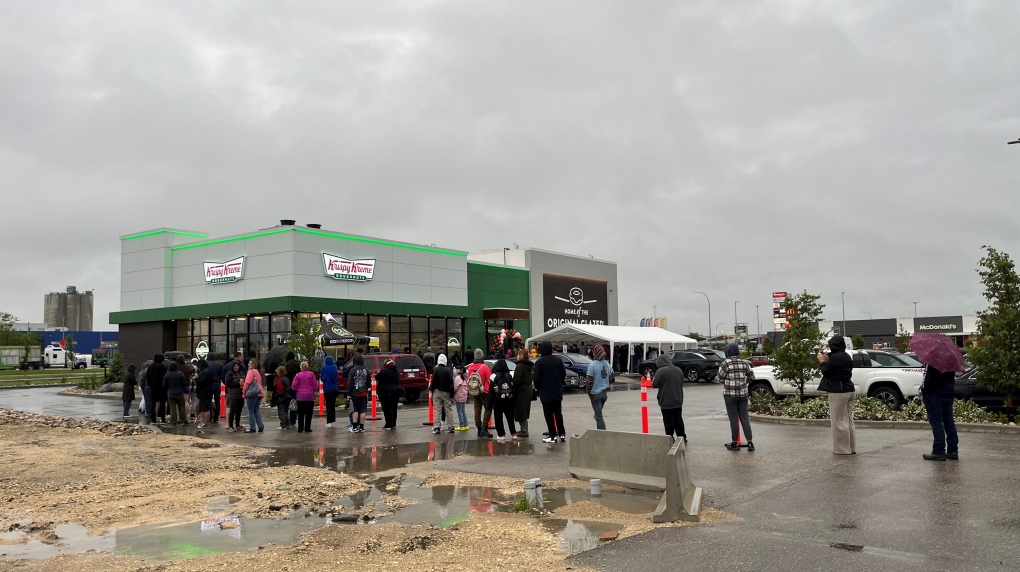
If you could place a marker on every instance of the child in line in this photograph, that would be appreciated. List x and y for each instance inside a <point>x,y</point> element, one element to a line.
<point>460,397</point>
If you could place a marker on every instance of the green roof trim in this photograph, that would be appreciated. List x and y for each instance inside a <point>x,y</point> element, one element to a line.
<point>319,233</point>
<point>161,231</point>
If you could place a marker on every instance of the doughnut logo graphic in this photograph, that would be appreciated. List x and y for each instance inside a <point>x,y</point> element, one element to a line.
<point>576,297</point>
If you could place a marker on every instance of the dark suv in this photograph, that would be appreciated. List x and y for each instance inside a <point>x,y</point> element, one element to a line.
<point>413,377</point>
<point>697,366</point>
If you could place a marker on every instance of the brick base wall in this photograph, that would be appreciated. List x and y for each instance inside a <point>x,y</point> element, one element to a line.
<point>140,341</point>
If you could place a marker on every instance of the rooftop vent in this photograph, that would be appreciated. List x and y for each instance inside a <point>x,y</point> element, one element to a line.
<point>313,225</point>
<point>287,222</point>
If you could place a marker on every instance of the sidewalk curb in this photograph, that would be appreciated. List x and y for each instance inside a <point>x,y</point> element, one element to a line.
<point>107,395</point>
<point>39,386</point>
<point>961,427</point>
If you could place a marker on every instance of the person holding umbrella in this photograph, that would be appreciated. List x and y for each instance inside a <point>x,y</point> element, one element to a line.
<point>942,360</point>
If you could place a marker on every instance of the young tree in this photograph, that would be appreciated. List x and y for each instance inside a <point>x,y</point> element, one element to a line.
<point>69,355</point>
<point>997,352</point>
<point>768,347</point>
<point>305,338</point>
<point>903,340</point>
<point>8,337</point>
<point>858,341</point>
<point>795,359</point>
<point>117,369</point>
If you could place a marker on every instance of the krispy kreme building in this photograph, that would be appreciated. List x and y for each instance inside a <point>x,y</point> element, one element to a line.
<point>183,290</point>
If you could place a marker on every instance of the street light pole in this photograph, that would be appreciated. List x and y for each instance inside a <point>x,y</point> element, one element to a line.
<point>915,309</point>
<point>709,312</point>
<point>843,300</point>
<point>735,321</point>
<point>758,318</point>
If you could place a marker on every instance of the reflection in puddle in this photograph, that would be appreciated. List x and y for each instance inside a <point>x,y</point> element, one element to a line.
<point>366,460</point>
<point>69,539</point>
<point>210,536</point>
<point>578,535</point>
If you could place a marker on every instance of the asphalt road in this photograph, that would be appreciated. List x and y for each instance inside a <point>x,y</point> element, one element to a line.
<point>800,508</point>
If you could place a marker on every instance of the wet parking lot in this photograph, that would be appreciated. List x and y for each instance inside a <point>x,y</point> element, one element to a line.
<point>884,508</point>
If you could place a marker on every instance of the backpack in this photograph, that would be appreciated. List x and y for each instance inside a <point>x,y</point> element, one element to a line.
<point>280,389</point>
<point>361,384</point>
<point>503,386</point>
<point>475,383</point>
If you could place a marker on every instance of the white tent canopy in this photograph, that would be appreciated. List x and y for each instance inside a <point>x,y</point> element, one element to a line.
<point>612,335</point>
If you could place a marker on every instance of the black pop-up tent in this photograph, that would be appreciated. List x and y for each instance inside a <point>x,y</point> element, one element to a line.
<point>333,334</point>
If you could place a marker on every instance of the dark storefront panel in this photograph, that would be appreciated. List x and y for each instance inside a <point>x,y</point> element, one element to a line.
<point>881,327</point>
<point>939,324</point>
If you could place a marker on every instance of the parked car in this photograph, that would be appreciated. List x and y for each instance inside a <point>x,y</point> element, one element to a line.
<point>578,363</point>
<point>571,381</point>
<point>890,378</point>
<point>967,388</point>
<point>172,356</point>
<point>695,364</point>
<point>759,360</point>
<point>413,376</point>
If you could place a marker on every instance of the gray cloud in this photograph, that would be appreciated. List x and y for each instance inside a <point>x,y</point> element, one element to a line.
<point>731,148</point>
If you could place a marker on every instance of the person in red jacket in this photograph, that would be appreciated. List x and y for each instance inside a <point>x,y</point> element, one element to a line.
<point>481,398</point>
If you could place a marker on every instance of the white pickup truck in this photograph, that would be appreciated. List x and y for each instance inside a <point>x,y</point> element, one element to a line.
<point>887,376</point>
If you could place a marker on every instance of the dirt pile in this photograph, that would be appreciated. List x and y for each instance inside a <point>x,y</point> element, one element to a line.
<point>20,418</point>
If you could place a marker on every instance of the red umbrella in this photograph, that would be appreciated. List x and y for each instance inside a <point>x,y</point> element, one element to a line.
<point>937,351</point>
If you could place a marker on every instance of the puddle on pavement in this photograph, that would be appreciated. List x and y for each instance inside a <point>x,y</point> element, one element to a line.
<point>449,504</point>
<point>367,460</point>
<point>214,535</point>
<point>578,535</point>
<point>69,539</point>
<point>441,506</point>
<point>173,541</point>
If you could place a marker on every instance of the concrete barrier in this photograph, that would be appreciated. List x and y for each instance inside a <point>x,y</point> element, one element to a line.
<point>681,500</point>
<point>633,460</point>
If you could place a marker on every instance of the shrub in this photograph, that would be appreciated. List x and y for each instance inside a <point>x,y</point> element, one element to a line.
<point>867,409</point>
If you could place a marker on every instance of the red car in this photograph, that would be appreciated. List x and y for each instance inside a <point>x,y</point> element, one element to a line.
<point>758,360</point>
<point>413,377</point>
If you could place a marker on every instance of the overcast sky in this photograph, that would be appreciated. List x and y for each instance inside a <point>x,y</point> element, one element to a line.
<point>730,147</point>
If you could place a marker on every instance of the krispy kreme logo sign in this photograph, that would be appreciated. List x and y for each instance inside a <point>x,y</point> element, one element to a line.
<point>224,272</point>
<point>340,268</point>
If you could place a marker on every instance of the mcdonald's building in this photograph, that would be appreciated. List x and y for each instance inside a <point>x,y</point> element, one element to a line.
<point>182,290</point>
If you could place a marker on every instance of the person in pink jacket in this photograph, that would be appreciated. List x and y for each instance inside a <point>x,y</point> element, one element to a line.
<point>460,397</point>
<point>255,400</point>
<point>304,386</point>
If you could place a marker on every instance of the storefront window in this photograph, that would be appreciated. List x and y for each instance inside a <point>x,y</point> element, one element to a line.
<point>420,325</point>
<point>219,326</point>
<point>184,345</point>
<point>218,345</point>
<point>454,326</point>
<point>258,324</point>
<point>239,343</point>
<point>419,341</point>
<point>281,323</point>
<point>357,324</point>
<point>280,339</point>
<point>378,325</point>
<point>239,325</point>
<point>384,342</point>
<point>183,328</point>
<point>402,341</point>
<point>200,329</point>
<point>259,344</point>
<point>400,324</point>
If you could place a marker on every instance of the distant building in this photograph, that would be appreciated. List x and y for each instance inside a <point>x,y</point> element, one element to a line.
<point>70,309</point>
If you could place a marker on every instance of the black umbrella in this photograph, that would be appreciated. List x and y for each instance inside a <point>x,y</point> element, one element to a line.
<point>274,358</point>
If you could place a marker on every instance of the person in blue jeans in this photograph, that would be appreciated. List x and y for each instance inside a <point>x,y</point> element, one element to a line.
<point>598,383</point>
<point>938,391</point>
<point>254,376</point>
